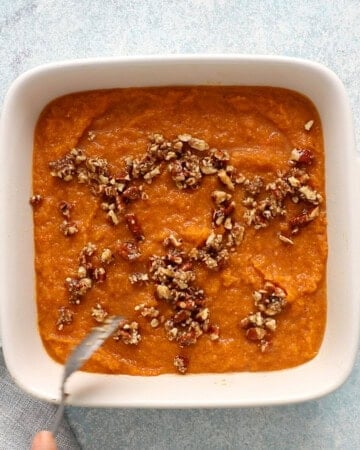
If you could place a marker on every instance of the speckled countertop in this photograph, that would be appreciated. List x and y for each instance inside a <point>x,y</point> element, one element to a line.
<point>327,31</point>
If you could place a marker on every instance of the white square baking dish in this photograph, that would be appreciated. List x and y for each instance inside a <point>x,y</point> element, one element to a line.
<point>25,355</point>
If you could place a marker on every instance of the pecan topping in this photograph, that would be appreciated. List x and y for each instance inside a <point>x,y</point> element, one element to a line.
<point>220,197</point>
<point>65,317</point>
<point>301,156</point>
<point>128,333</point>
<point>99,274</point>
<point>68,228</point>
<point>129,250</point>
<point>214,332</point>
<point>132,193</point>
<point>35,200</point>
<point>254,186</point>
<point>285,239</point>
<point>255,333</point>
<point>309,194</point>
<point>185,171</point>
<point>174,277</point>
<point>77,288</point>
<point>138,277</point>
<point>198,144</point>
<point>134,227</point>
<point>65,208</point>
<point>113,218</point>
<point>99,313</point>
<point>269,302</point>
<point>106,256</point>
<point>214,253</point>
<point>309,125</point>
<point>181,363</point>
<point>293,184</point>
<point>147,311</point>
<point>172,240</point>
<point>303,219</point>
<point>87,274</point>
<point>226,180</point>
<point>63,168</point>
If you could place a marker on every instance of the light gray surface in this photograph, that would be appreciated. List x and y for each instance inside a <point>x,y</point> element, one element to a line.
<point>327,31</point>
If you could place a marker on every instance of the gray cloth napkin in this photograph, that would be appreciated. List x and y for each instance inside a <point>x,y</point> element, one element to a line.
<point>21,416</point>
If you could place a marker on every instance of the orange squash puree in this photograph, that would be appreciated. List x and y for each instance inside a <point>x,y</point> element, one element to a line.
<point>259,127</point>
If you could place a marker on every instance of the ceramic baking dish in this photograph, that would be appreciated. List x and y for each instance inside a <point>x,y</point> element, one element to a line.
<point>25,355</point>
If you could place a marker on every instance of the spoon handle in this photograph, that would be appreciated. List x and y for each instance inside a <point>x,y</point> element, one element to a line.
<point>58,417</point>
<point>81,353</point>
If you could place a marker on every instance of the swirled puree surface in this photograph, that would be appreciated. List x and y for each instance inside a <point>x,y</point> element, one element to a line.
<point>197,213</point>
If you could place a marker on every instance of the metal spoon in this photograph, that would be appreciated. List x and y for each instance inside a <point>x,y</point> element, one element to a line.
<point>80,355</point>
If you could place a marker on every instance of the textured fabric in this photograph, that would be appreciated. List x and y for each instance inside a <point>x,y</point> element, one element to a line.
<point>21,416</point>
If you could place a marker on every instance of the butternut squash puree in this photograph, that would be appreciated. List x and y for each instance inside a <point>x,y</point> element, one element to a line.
<point>258,126</point>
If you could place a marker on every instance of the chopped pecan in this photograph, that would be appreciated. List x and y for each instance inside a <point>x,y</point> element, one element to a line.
<point>184,137</point>
<point>147,311</point>
<point>134,227</point>
<point>82,272</point>
<point>185,171</point>
<point>220,197</point>
<point>181,316</point>
<point>113,218</point>
<point>254,186</point>
<point>78,155</point>
<point>309,194</point>
<point>65,208</point>
<point>187,338</point>
<point>99,275</point>
<point>308,125</point>
<point>65,317</point>
<point>106,256</point>
<point>129,250</point>
<point>218,217</point>
<point>219,158</point>
<point>269,301</point>
<point>154,323</point>
<point>132,193</point>
<point>68,228</point>
<point>128,333</point>
<point>226,180</point>
<point>63,168</point>
<point>138,277</point>
<point>214,332</point>
<point>207,166</point>
<point>86,252</point>
<point>255,333</point>
<point>98,166</point>
<point>271,304</point>
<point>163,292</point>
<point>285,239</point>
<point>152,174</point>
<point>35,200</point>
<point>301,156</point>
<point>91,135</point>
<point>235,236</point>
<point>77,288</point>
<point>181,363</point>
<point>198,144</point>
<point>99,313</point>
<point>173,240</point>
<point>303,219</point>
